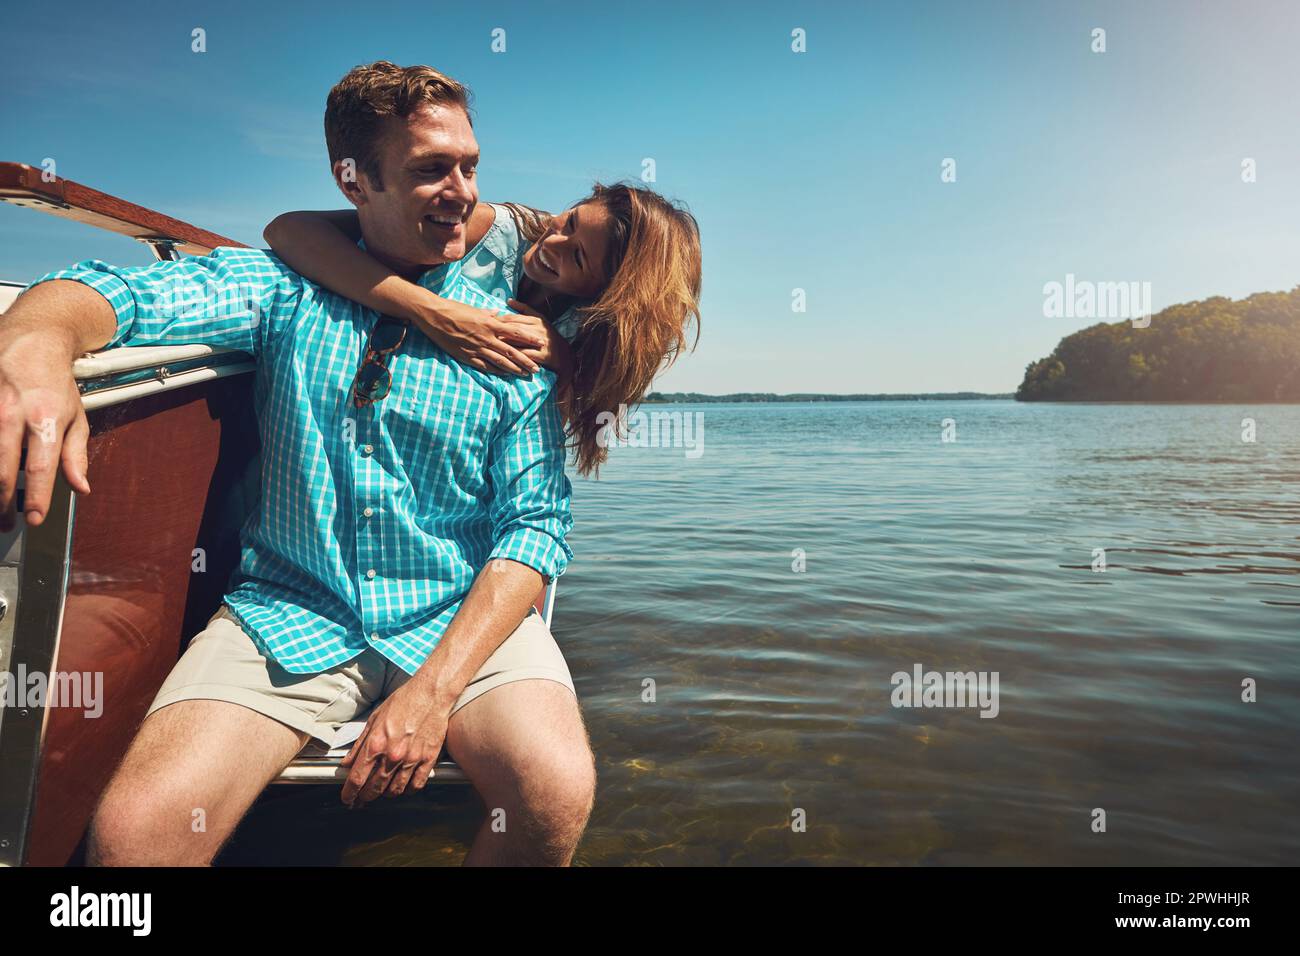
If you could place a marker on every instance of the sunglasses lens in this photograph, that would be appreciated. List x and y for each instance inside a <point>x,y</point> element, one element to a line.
<point>373,382</point>
<point>388,334</point>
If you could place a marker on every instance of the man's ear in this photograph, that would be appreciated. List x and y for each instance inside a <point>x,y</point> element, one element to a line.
<point>348,178</point>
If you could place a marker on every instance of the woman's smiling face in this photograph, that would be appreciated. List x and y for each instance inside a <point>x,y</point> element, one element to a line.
<point>570,257</point>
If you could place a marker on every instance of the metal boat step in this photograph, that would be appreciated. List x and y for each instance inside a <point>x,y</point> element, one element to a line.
<point>315,764</point>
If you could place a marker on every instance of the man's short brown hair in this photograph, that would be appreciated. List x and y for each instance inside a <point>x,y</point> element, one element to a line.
<point>362,100</point>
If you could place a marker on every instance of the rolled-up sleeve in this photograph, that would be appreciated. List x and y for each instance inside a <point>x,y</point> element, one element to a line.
<point>233,298</point>
<point>531,515</point>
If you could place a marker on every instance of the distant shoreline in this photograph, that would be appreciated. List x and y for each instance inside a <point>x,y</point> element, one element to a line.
<point>696,398</point>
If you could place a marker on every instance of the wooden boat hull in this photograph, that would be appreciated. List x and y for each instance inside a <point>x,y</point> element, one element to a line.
<point>110,588</point>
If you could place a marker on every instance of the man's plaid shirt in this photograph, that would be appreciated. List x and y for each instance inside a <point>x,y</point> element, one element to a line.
<point>373,522</point>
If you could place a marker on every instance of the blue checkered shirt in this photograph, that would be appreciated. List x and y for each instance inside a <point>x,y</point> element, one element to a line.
<point>373,522</point>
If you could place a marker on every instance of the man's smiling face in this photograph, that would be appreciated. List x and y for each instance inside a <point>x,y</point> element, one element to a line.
<point>416,216</point>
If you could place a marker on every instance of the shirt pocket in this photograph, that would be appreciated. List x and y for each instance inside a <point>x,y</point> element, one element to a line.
<point>441,424</point>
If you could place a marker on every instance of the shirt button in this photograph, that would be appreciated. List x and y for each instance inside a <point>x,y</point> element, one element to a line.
<point>368,512</point>
<point>367,449</point>
<point>374,635</point>
<point>370,573</point>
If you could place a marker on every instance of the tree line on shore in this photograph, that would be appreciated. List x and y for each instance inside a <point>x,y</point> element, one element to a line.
<point>1214,350</point>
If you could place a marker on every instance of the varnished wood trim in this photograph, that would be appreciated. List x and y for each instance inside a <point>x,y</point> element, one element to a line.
<point>22,185</point>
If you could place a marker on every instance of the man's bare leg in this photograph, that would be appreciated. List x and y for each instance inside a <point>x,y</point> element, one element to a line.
<point>190,775</point>
<point>524,747</point>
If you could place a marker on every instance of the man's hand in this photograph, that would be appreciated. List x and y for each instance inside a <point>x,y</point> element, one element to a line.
<point>404,735</point>
<point>399,745</point>
<point>49,326</point>
<point>39,402</point>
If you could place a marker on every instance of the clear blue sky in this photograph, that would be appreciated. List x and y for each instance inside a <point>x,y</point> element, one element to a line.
<point>817,170</point>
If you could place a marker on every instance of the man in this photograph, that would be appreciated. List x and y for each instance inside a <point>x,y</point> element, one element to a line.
<point>411,510</point>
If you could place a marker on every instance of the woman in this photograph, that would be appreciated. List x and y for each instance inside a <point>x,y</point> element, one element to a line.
<point>604,292</point>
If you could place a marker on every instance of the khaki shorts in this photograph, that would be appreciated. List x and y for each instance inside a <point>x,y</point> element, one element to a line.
<point>223,663</point>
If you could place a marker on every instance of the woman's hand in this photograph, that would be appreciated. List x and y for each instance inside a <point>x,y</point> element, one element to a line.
<point>554,352</point>
<point>488,340</point>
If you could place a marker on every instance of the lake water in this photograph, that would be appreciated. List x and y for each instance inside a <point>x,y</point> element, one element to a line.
<point>1119,689</point>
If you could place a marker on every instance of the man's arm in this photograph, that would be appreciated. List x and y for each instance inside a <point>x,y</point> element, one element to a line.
<point>530,519</point>
<point>405,733</point>
<point>502,595</point>
<point>40,337</point>
<point>233,298</point>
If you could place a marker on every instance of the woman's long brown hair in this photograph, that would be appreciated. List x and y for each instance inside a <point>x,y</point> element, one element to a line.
<point>637,327</point>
